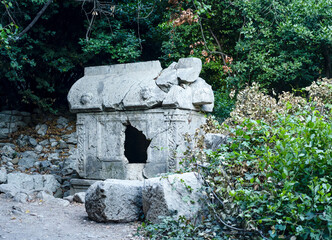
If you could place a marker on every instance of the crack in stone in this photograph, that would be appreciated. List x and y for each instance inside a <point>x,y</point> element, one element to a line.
<point>121,104</point>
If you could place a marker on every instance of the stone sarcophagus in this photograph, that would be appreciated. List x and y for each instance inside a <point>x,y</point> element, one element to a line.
<point>132,118</point>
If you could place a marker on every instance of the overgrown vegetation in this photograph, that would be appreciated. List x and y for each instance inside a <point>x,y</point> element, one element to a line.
<point>279,44</point>
<point>273,179</point>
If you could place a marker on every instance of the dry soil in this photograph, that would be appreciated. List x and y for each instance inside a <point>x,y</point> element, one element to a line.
<point>42,221</point>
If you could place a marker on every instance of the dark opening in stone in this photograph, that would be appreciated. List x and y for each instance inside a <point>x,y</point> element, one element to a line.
<point>136,145</point>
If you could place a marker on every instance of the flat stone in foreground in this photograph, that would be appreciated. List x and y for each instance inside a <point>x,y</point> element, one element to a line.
<point>114,200</point>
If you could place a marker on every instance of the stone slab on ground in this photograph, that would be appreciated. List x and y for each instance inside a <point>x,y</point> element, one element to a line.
<point>174,195</point>
<point>114,200</point>
<point>27,182</point>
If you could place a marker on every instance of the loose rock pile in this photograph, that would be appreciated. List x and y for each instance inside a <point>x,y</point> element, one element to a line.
<point>11,121</point>
<point>37,159</point>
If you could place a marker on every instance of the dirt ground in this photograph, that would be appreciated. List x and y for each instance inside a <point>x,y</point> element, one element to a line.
<point>41,221</point>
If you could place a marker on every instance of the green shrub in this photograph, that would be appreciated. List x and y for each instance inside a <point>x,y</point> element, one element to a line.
<point>278,178</point>
<point>273,179</point>
<point>223,105</point>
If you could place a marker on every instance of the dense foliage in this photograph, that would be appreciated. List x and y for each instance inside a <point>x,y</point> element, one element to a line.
<point>273,179</point>
<point>279,44</point>
<point>39,66</point>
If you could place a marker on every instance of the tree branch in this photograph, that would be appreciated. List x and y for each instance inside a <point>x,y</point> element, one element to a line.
<point>34,20</point>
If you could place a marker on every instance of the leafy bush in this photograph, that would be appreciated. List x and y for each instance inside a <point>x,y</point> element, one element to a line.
<point>278,176</point>
<point>283,44</point>
<point>273,179</point>
<point>223,105</point>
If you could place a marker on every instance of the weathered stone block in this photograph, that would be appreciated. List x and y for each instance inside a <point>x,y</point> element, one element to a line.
<point>143,95</point>
<point>188,69</point>
<point>201,92</point>
<point>179,97</point>
<point>8,151</point>
<point>92,92</point>
<point>9,190</point>
<point>168,78</point>
<point>26,182</point>
<point>114,201</point>
<point>174,195</point>
<point>80,185</point>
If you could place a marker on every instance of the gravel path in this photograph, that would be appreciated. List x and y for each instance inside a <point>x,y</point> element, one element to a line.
<point>39,220</point>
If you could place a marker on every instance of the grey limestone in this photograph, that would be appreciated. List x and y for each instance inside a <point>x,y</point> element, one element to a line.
<point>188,69</point>
<point>5,159</point>
<point>44,142</point>
<point>32,142</point>
<point>116,79</point>
<point>15,160</point>
<point>62,122</point>
<point>79,197</point>
<point>28,159</point>
<point>38,148</point>
<point>8,151</point>
<point>120,105</point>
<point>134,86</point>
<point>102,136</point>
<point>143,95</point>
<point>70,138</point>
<point>201,92</point>
<point>41,129</point>
<point>21,197</point>
<point>9,190</point>
<point>69,198</point>
<point>62,144</point>
<point>167,78</point>
<point>53,156</point>
<point>69,166</point>
<point>174,195</point>
<point>179,97</point>
<point>50,199</point>
<point>80,185</point>
<point>3,175</point>
<point>114,200</point>
<point>11,121</point>
<point>27,182</point>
